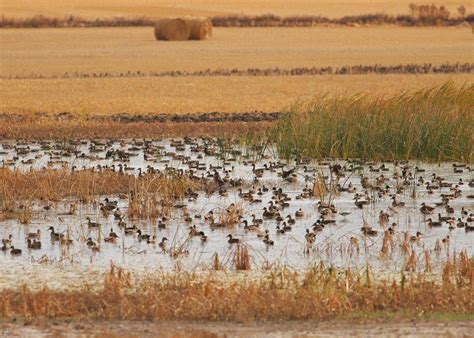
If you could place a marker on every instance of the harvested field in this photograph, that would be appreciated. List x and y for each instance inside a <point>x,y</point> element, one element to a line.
<point>89,97</point>
<point>50,52</point>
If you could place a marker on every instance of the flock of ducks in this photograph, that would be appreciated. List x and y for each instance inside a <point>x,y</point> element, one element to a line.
<point>271,187</point>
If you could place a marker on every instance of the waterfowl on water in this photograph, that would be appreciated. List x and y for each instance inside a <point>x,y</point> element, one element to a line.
<point>267,240</point>
<point>36,245</point>
<point>33,235</point>
<point>91,224</point>
<point>141,236</point>
<point>90,242</point>
<point>162,244</point>
<point>55,236</point>
<point>416,237</point>
<point>432,223</point>
<point>14,251</point>
<point>299,213</point>
<point>426,209</point>
<point>112,234</point>
<point>232,240</point>
<point>279,231</point>
<point>7,240</point>
<point>367,230</point>
<point>290,220</point>
<point>203,236</point>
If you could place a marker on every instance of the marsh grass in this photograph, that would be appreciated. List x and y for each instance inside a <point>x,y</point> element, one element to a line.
<point>429,125</point>
<point>79,128</point>
<point>150,195</point>
<point>319,293</point>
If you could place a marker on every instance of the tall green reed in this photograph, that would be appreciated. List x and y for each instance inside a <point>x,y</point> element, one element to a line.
<point>431,125</point>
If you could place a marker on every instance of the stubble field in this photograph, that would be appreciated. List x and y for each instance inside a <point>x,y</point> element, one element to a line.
<point>62,57</point>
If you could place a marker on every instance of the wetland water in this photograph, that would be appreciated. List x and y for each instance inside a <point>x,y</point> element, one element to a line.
<point>250,180</point>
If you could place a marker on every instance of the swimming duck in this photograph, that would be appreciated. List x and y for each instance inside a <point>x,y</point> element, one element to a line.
<point>299,213</point>
<point>141,236</point>
<point>267,240</point>
<point>432,223</point>
<point>55,236</point>
<point>33,235</point>
<point>36,245</point>
<point>91,224</point>
<point>426,209</point>
<point>14,251</point>
<point>162,243</point>
<point>203,236</point>
<point>232,240</point>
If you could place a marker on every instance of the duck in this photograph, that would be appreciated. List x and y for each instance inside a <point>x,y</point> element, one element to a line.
<point>432,223</point>
<point>14,251</point>
<point>299,213</point>
<point>33,235</point>
<point>90,242</point>
<point>152,240</point>
<point>416,237</point>
<point>55,236</point>
<point>36,245</point>
<point>91,224</point>
<point>279,231</point>
<point>8,240</point>
<point>232,240</point>
<point>202,236</point>
<point>141,236</point>
<point>162,244</point>
<point>256,220</point>
<point>426,209</point>
<point>290,220</point>
<point>267,240</point>
<point>367,230</point>
<point>310,236</point>
<point>193,231</point>
<point>112,234</point>
<point>286,227</point>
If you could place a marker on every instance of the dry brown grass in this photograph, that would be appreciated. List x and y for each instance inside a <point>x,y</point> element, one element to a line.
<point>319,293</point>
<point>161,8</point>
<point>149,195</point>
<point>96,50</point>
<point>78,128</point>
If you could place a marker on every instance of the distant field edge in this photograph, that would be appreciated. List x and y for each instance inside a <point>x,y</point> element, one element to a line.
<point>266,20</point>
<point>412,68</point>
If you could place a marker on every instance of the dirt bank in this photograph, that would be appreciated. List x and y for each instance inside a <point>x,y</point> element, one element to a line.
<point>71,328</point>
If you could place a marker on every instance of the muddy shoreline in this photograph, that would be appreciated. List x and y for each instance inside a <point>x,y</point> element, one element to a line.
<point>198,117</point>
<point>361,328</point>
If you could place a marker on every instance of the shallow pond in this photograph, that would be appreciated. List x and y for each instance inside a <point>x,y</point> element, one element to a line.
<point>341,242</point>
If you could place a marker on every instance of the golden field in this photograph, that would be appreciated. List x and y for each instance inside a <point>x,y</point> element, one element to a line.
<point>56,51</point>
<point>160,8</point>
<point>52,52</point>
<point>190,95</point>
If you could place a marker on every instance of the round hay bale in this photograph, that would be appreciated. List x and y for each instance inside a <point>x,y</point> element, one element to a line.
<point>200,28</point>
<point>171,29</point>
